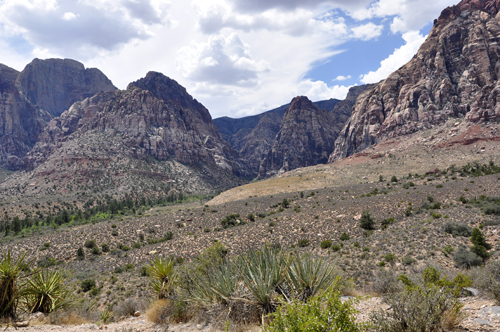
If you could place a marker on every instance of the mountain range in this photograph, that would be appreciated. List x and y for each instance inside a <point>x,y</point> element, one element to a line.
<point>66,129</point>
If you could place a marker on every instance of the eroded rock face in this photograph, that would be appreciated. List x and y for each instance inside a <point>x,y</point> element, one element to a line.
<point>29,99</point>
<point>164,123</point>
<point>306,137</point>
<point>55,84</point>
<point>454,74</point>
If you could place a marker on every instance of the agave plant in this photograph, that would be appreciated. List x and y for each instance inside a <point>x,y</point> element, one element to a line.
<point>45,292</point>
<point>308,275</point>
<point>218,285</point>
<point>10,271</point>
<point>263,272</point>
<point>163,276</point>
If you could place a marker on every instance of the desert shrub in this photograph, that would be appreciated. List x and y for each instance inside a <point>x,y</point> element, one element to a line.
<point>308,276</point>
<point>491,208</point>
<point>394,179</point>
<point>136,245</point>
<point>88,284</point>
<point>129,267</point>
<point>78,313</point>
<point>251,217</point>
<point>466,259</point>
<point>487,280</point>
<point>325,244</point>
<point>90,244</point>
<point>344,237</point>
<point>387,222</point>
<point>336,247</point>
<point>324,312</point>
<point>436,215</point>
<point>119,269</point>
<point>447,250</point>
<point>159,312</point>
<point>366,221</point>
<point>408,260</point>
<point>10,271</point>
<point>96,251</point>
<point>163,278</point>
<point>390,258</point>
<point>303,243</point>
<point>480,246</point>
<point>430,306</point>
<point>408,185</point>
<point>80,254</point>
<point>386,282</point>
<point>458,229</point>
<point>231,220</point>
<point>128,307</point>
<point>105,247</point>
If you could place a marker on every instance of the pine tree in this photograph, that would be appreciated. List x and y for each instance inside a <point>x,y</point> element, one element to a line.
<point>366,221</point>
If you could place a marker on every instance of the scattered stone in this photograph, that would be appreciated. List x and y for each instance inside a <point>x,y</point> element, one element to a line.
<point>137,314</point>
<point>482,322</point>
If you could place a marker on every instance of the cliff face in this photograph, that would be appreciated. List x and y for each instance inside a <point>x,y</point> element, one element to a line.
<point>55,84</point>
<point>154,117</point>
<point>29,99</point>
<point>454,75</point>
<point>306,137</point>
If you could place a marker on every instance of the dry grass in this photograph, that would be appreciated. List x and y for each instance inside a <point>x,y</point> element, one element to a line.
<point>158,312</point>
<point>67,318</point>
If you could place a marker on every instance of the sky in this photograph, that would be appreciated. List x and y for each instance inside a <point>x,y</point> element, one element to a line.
<point>237,57</point>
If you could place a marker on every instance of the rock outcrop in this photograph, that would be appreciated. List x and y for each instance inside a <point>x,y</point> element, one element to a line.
<point>155,117</point>
<point>306,137</point>
<point>29,99</point>
<point>455,74</point>
<point>253,136</point>
<point>55,84</point>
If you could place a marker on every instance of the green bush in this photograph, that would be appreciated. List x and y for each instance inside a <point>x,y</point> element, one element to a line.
<point>88,284</point>
<point>80,254</point>
<point>129,267</point>
<point>394,179</point>
<point>251,217</point>
<point>344,237</point>
<point>366,221</point>
<point>466,259</point>
<point>390,258</point>
<point>96,251</point>
<point>408,260</point>
<point>105,247</point>
<point>231,220</point>
<point>326,244</point>
<point>136,245</point>
<point>336,247</point>
<point>90,244</point>
<point>322,313</point>
<point>303,243</point>
<point>458,229</point>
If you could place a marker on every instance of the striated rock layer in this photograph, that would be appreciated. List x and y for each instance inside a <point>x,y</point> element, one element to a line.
<point>455,74</point>
<point>155,117</point>
<point>306,137</point>
<point>29,99</point>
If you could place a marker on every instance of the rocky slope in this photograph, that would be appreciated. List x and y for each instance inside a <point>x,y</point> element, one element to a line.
<point>454,75</point>
<point>253,136</point>
<point>153,136</point>
<point>29,99</point>
<point>306,137</point>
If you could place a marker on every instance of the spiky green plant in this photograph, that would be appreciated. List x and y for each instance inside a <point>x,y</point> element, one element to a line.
<point>218,285</point>
<point>162,276</point>
<point>45,292</point>
<point>308,275</point>
<point>10,271</point>
<point>263,272</point>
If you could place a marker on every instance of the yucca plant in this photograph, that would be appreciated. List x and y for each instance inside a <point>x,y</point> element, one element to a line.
<point>263,272</point>
<point>163,276</point>
<point>45,292</point>
<point>10,271</point>
<point>218,285</point>
<point>308,275</point>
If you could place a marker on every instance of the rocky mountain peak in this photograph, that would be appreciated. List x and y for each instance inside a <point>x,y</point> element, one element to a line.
<point>55,84</point>
<point>454,75</point>
<point>301,103</point>
<point>491,7</point>
<point>170,91</point>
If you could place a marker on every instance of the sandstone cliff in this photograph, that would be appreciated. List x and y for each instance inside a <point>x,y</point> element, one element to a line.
<point>55,84</point>
<point>454,75</point>
<point>29,99</point>
<point>306,137</point>
<point>154,117</point>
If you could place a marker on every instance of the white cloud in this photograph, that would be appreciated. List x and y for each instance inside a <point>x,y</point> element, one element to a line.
<point>342,78</point>
<point>79,29</point>
<point>367,31</point>
<point>409,14</point>
<point>318,90</point>
<point>222,60</point>
<point>397,59</point>
<point>263,5</point>
<point>68,16</point>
